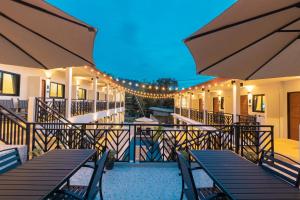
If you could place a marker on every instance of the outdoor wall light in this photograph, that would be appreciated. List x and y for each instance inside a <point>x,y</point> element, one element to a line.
<point>249,88</point>
<point>232,82</point>
<point>250,99</point>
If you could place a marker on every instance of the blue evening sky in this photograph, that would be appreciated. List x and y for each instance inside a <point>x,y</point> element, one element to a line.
<point>143,39</point>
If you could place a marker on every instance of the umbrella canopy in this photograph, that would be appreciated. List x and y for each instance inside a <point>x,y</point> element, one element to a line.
<point>253,39</point>
<point>36,34</point>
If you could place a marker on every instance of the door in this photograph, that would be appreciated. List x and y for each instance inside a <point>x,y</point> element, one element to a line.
<point>244,105</point>
<point>293,115</point>
<point>200,105</point>
<point>43,90</point>
<point>216,104</point>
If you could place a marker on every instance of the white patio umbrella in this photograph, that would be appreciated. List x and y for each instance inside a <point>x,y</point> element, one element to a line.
<point>253,39</point>
<point>36,34</point>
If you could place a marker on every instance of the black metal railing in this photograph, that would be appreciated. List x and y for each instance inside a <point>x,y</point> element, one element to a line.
<point>133,142</point>
<point>213,118</point>
<point>253,140</point>
<point>185,112</point>
<point>247,119</point>
<point>154,143</point>
<point>101,105</point>
<point>13,129</point>
<point>112,105</point>
<point>57,104</point>
<point>197,115</point>
<point>81,107</point>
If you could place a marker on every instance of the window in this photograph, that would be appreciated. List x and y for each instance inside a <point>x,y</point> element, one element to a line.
<point>258,103</point>
<point>98,96</point>
<point>81,93</point>
<point>9,84</point>
<point>57,90</point>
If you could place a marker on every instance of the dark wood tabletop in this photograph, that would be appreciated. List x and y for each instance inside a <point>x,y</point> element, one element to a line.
<point>39,177</point>
<point>242,179</point>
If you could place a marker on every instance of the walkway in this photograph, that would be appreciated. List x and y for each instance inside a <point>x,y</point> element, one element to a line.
<point>145,181</point>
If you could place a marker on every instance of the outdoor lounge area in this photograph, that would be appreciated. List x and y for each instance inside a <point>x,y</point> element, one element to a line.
<point>107,108</point>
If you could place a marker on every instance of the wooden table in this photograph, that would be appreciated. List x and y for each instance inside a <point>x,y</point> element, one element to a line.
<point>242,179</point>
<point>39,177</point>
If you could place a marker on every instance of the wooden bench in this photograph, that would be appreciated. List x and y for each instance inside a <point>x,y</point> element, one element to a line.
<point>282,166</point>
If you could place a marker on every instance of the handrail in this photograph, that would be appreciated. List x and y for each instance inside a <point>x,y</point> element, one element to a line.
<point>13,114</point>
<point>52,110</point>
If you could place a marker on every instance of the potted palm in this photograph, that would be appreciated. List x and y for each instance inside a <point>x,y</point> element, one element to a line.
<point>110,160</point>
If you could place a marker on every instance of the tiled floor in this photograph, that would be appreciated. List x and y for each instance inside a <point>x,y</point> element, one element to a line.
<point>145,181</point>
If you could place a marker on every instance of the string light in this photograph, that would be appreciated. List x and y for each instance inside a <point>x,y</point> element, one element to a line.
<point>114,83</point>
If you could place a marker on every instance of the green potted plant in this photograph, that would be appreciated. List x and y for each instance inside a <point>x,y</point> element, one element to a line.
<point>36,152</point>
<point>110,160</point>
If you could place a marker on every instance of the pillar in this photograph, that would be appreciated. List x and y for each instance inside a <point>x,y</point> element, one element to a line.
<point>189,105</point>
<point>107,99</point>
<point>68,92</point>
<point>95,90</point>
<point>115,99</point>
<point>236,92</point>
<point>206,98</point>
<point>180,104</point>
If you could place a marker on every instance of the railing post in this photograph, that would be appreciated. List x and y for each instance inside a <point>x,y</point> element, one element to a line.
<point>236,130</point>
<point>82,130</point>
<point>272,139</point>
<point>209,140</point>
<point>28,139</point>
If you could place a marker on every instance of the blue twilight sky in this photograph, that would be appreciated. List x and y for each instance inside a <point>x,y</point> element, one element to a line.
<point>143,39</point>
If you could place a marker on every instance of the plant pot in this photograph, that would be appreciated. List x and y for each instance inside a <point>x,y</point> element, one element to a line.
<point>110,165</point>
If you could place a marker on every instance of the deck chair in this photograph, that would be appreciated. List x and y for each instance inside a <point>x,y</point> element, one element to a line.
<point>9,159</point>
<point>190,190</point>
<point>23,108</point>
<point>8,103</point>
<point>281,166</point>
<point>86,192</point>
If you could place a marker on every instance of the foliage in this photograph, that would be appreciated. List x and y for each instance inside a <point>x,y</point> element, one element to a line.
<point>111,156</point>
<point>36,152</point>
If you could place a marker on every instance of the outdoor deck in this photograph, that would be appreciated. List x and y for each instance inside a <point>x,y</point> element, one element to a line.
<point>144,181</point>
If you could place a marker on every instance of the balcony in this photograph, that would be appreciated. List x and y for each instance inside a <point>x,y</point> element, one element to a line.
<point>215,118</point>
<point>101,106</point>
<point>81,107</point>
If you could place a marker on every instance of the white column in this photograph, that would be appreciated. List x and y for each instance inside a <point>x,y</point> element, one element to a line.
<point>107,98</point>
<point>115,99</point>
<point>95,90</point>
<point>31,109</point>
<point>180,104</point>
<point>205,101</point>
<point>190,105</point>
<point>69,74</point>
<point>236,100</point>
